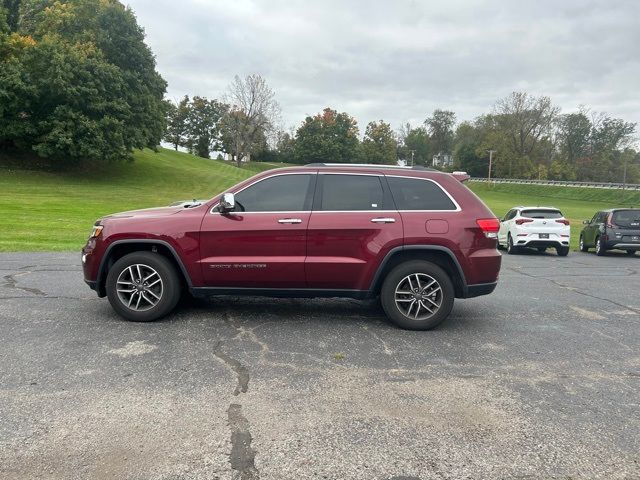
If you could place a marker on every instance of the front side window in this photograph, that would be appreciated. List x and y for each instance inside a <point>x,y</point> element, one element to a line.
<point>351,192</point>
<point>282,193</point>
<point>417,194</point>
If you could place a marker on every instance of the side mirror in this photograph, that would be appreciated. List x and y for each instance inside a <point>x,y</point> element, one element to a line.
<point>585,222</point>
<point>227,202</point>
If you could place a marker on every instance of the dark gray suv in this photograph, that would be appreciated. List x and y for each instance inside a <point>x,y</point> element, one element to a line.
<point>616,228</point>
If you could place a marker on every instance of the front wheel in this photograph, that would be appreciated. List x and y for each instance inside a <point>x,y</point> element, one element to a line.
<point>143,286</point>
<point>600,250</point>
<point>562,251</point>
<point>417,295</point>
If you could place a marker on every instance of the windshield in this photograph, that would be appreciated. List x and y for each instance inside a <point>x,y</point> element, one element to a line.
<point>541,213</point>
<point>626,218</point>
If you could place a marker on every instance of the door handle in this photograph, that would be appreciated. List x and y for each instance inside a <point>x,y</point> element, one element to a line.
<point>383,220</point>
<point>290,220</point>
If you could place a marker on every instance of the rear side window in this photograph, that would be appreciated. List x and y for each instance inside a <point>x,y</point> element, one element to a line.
<point>626,218</point>
<point>541,213</point>
<point>351,192</point>
<point>417,194</point>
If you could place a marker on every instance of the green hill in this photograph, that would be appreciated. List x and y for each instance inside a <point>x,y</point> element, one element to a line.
<point>54,211</point>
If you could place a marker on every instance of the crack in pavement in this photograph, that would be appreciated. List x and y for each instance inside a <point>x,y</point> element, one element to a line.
<point>11,282</point>
<point>242,457</point>
<point>576,290</point>
<point>241,371</point>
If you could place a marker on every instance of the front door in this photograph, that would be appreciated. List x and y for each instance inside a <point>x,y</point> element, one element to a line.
<point>262,243</point>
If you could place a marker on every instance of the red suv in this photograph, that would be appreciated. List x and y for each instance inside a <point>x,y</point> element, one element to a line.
<point>418,238</point>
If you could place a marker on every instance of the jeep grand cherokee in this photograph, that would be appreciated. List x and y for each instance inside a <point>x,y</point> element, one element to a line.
<point>415,237</point>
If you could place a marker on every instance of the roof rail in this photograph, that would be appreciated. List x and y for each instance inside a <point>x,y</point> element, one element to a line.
<point>370,165</point>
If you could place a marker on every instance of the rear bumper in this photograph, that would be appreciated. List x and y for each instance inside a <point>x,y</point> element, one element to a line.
<point>480,289</point>
<point>542,243</point>
<point>622,246</point>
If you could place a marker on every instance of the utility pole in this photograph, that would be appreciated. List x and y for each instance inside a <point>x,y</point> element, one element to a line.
<point>412,153</point>
<point>490,162</point>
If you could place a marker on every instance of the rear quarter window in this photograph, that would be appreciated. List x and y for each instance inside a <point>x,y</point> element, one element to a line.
<point>419,194</point>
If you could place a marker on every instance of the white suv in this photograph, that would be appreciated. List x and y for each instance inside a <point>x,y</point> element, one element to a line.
<point>534,227</point>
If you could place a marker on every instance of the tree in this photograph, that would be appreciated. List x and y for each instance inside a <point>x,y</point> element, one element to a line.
<point>327,137</point>
<point>522,121</point>
<point>177,115</point>
<point>466,157</point>
<point>379,144</point>
<point>440,126</point>
<point>573,133</point>
<point>253,112</point>
<point>79,83</point>
<point>203,129</point>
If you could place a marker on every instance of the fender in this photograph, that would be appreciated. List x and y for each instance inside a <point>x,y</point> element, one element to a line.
<point>107,252</point>
<point>436,248</point>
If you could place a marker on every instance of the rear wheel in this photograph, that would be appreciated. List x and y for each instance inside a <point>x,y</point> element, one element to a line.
<point>631,252</point>
<point>143,286</point>
<point>511,248</point>
<point>600,250</point>
<point>583,246</point>
<point>562,251</point>
<point>417,295</point>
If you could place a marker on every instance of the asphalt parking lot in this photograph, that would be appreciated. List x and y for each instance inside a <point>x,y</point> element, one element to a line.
<point>539,380</point>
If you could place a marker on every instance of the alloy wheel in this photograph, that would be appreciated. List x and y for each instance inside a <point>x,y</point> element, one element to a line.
<point>418,296</point>
<point>139,287</point>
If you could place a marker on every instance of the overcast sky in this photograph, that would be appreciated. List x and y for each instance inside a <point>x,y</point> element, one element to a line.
<point>399,60</point>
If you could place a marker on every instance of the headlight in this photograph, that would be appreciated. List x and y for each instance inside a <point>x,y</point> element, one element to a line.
<point>97,230</point>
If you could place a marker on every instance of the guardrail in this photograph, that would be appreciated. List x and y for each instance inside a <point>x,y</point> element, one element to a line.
<point>561,183</point>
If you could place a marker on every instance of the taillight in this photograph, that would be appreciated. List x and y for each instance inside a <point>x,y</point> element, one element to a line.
<point>520,221</point>
<point>489,226</point>
<point>563,221</point>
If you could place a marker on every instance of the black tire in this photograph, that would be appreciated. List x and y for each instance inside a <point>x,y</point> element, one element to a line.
<point>541,249</point>
<point>444,296</point>
<point>583,246</point>
<point>562,251</point>
<point>511,248</point>
<point>168,295</point>
<point>600,250</point>
<point>631,253</point>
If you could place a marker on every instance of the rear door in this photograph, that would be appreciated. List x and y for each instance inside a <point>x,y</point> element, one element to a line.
<point>593,228</point>
<point>262,244</point>
<point>354,222</point>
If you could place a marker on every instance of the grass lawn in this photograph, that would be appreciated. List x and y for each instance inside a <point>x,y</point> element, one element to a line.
<point>55,211</point>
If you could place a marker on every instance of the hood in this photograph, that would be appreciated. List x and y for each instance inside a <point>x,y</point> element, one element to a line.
<point>146,212</point>
<point>175,207</point>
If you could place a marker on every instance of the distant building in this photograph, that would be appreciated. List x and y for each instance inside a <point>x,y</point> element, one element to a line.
<point>442,160</point>
<point>229,157</point>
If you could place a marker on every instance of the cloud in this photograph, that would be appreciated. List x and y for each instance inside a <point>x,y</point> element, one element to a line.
<point>400,60</point>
